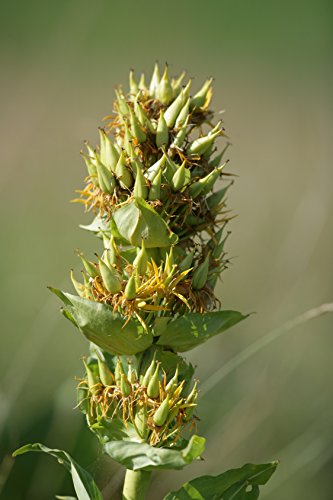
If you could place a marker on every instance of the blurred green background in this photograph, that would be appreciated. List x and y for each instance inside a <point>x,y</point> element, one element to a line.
<point>272,65</point>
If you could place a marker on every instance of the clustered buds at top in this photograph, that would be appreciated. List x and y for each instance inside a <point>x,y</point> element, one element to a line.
<point>154,183</point>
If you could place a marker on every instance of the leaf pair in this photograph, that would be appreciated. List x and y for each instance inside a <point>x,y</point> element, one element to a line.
<point>235,484</point>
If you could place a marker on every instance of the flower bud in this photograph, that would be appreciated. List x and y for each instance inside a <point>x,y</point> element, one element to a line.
<point>122,172</point>
<point>155,81</point>
<point>172,112</point>
<point>130,289</point>
<point>110,277</point>
<point>164,91</point>
<point>141,260</point>
<point>200,275</point>
<point>162,412</point>
<point>215,199</point>
<point>153,388</point>
<point>204,185</point>
<point>131,375</point>
<point>199,99</point>
<point>162,132</point>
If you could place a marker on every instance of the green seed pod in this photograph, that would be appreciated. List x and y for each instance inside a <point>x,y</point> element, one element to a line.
<point>123,107</point>
<point>179,178</point>
<point>172,384</point>
<point>164,91</point>
<point>142,83</point>
<point>140,112</point>
<point>155,187</point>
<point>162,412</point>
<point>140,421</point>
<point>141,260</point>
<point>125,386</point>
<point>172,112</point>
<point>181,134</point>
<point>140,186</point>
<point>109,154</point>
<point>183,115</point>
<point>217,160</point>
<point>186,263</point>
<point>149,372</point>
<point>176,83</point>
<point>123,174</point>
<point>215,199</point>
<point>192,397</point>
<point>204,185</point>
<point>153,389</point>
<point>156,167</point>
<point>92,171</point>
<point>105,374</point>
<point>79,287</point>
<point>209,181</point>
<point>130,289</point>
<point>131,375</point>
<point>136,128</point>
<point>162,132</point>
<point>200,275</point>
<point>106,179</point>
<point>110,277</point>
<point>155,81</point>
<point>92,379</point>
<point>200,97</point>
<point>199,146</point>
<point>132,83</point>
<point>218,250</point>
<point>128,141</point>
<point>169,261</point>
<point>118,372</point>
<point>112,257</point>
<point>88,265</point>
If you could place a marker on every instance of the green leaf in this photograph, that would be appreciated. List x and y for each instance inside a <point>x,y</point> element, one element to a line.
<point>137,456</point>
<point>235,484</point>
<point>137,221</point>
<point>84,485</point>
<point>103,327</point>
<point>188,331</point>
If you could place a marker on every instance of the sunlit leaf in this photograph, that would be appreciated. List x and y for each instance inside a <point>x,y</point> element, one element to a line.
<point>84,485</point>
<point>235,484</point>
<point>136,456</point>
<point>103,327</point>
<point>137,221</point>
<point>188,331</point>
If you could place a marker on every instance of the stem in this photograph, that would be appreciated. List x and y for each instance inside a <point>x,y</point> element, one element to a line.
<point>136,484</point>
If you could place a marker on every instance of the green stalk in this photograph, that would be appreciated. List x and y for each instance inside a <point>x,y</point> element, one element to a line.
<point>136,484</point>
